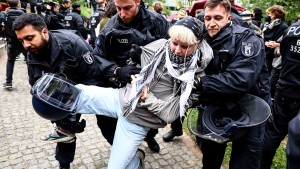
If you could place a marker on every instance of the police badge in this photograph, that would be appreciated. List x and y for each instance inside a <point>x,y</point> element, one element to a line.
<point>88,58</point>
<point>247,48</point>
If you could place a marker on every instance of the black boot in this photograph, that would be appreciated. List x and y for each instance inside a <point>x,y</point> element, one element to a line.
<point>64,165</point>
<point>170,135</point>
<point>152,144</point>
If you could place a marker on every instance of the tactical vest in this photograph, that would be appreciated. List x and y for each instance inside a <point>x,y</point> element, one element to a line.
<point>95,19</point>
<point>118,43</point>
<point>68,19</point>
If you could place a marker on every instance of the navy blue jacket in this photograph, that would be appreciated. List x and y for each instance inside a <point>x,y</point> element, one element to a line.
<point>69,55</point>
<point>74,21</point>
<point>244,70</point>
<point>114,41</point>
<point>289,79</point>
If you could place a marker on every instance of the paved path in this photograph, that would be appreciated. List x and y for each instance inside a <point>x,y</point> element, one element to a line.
<point>21,128</point>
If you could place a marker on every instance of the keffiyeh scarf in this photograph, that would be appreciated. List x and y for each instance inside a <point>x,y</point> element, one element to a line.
<point>185,74</point>
<point>270,25</point>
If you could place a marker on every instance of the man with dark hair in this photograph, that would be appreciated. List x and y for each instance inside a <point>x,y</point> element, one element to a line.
<point>62,52</point>
<point>238,67</point>
<point>119,42</point>
<point>53,18</point>
<point>14,47</point>
<point>65,7</point>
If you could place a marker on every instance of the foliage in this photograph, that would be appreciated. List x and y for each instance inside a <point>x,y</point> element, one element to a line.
<point>166,9</point>
<point>85,11</point>
<point>279,160</point>
<point>291,7</point>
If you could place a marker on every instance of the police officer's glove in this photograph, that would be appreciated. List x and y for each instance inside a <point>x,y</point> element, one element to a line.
<point>125,72</point>
<point>135,53</point>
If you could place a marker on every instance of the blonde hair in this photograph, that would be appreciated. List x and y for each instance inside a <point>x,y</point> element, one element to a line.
<point>182,34</point>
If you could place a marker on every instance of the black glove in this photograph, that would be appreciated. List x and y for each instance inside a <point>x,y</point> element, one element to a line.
<point>125,72</point>
<point>135,53</point>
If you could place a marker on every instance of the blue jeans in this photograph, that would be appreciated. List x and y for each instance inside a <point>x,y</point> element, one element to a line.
<point>128,136</point>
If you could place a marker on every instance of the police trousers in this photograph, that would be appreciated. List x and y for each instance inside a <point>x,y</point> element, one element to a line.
<point>284,110</point>
<point>245,153</point>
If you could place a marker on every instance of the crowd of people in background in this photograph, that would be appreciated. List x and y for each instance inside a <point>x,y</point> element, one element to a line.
<point>251,55</point>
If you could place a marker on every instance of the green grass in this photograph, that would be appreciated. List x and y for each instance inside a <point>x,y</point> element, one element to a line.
<point>86,12</point>
<point>279,161</point>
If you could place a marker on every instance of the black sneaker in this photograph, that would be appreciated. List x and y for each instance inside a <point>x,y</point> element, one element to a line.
<point>152,144</point>
<point>7,86</point>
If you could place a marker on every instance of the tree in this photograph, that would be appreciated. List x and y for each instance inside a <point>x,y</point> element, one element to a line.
<point>291,7</point>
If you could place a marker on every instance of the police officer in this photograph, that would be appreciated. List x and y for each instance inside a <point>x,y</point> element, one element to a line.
<point>95,20</point>
<point>14,47</point>
<point>238,67</point>
<point>287,97</point>
<point>54,19</point>
<point>176,126</point>
<point>293,147</point>
<point>134,25</point>
<point>61,52</point>
<point>74,21</point>
<point>65,7</point>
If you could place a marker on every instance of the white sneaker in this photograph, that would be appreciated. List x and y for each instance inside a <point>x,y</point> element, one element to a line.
<point>59,136</point>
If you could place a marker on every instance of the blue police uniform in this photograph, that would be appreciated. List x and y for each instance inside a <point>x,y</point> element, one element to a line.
<point>69,55</point>
<point>287,97</point>
<point>114,44</point>
<point>93,23</point>
<point>238,67</point>
<point>74,21</point>
<point>14,46</point>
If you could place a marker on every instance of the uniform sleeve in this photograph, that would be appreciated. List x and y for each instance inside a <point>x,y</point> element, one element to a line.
<point>91,67</point>
<point>243,71</point>
<point>100,56</point>
<point>80,26</point>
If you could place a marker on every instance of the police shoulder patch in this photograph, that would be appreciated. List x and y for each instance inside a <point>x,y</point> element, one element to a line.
<point>88,58</point>
<point>247,48</point>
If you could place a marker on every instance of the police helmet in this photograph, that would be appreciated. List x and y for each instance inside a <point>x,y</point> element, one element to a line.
<point>54,97</point>
<point>229,120</point>
<point>246,15</point>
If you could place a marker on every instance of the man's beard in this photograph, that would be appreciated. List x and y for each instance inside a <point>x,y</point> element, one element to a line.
<point>40,49</point>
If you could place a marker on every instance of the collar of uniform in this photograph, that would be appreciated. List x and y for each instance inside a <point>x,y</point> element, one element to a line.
<point>224,32</point>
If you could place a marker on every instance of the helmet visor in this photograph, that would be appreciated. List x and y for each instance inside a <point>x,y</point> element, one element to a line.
<point>56,92</point>
<point>195,126</point>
